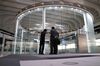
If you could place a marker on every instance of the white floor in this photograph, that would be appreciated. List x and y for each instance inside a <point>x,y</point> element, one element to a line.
<point>84,61</point>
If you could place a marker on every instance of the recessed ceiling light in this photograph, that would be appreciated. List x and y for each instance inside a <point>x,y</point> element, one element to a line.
<point>61,7</point>
<point>49,8</point>
<point>56,7</point>
<point>29,11</point>
<point>37,24</point>
<point>38,9</point>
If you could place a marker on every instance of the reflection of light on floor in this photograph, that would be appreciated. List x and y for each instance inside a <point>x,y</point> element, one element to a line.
<point>98,42</point>
<point>69,46</point>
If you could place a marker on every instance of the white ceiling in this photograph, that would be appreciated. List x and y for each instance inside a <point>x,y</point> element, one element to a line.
<point>62,19</point>
<point>10,8</point>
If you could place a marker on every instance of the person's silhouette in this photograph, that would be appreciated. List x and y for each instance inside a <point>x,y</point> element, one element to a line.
<point>42,41</point>
<point>53,45</point>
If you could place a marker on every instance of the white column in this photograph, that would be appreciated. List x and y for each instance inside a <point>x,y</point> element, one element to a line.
<point>21,43</point>
<point>44,18</point>
<point>89,32</point>
<point>86,30</point>
<point>44,21</point>
<point>17,24</point>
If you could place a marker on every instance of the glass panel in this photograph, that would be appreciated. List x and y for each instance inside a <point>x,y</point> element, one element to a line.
<point>61,19</point>
<point>28,30</point>
<point>89,32</point>
<point>73,25</point>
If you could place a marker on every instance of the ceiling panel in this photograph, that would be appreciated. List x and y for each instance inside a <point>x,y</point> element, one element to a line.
<point>66,20</point>
<point>12,7</point>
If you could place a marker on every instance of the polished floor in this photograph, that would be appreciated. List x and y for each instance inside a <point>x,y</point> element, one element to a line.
<point>51,60</point>
<point>86,61</point>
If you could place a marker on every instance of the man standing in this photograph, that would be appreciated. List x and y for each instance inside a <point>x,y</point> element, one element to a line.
<point>53,44</point>
<point>42,41</point>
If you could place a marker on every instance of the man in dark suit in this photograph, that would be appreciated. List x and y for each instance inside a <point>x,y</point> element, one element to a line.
<point>53,44</point>
<point>42,41</point>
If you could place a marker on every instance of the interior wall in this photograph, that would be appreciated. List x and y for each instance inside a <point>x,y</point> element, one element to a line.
<point>82,43</point>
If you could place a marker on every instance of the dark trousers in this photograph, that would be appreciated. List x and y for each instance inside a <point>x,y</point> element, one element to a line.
<point>41,48</point>
<point>53,49</point>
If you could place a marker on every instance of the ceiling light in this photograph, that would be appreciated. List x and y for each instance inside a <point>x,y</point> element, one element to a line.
<point>29,11</point>
<point>49,8</point>
<point>58,25</point>
<point>71,8</point>
<point>33,32</point>
<point>46,23</point>
<point>61,7</point>
<point>76,10</point>
<point>30,28</point>
<point>56,7</point>
<point>38,9</point>
<point>37,24</point>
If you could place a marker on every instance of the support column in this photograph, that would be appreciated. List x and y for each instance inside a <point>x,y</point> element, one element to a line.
<point>44,18</point>
<point>15,43</point>
<point>44,21</point>
<point>89,30</point>
<point>21,43</point>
